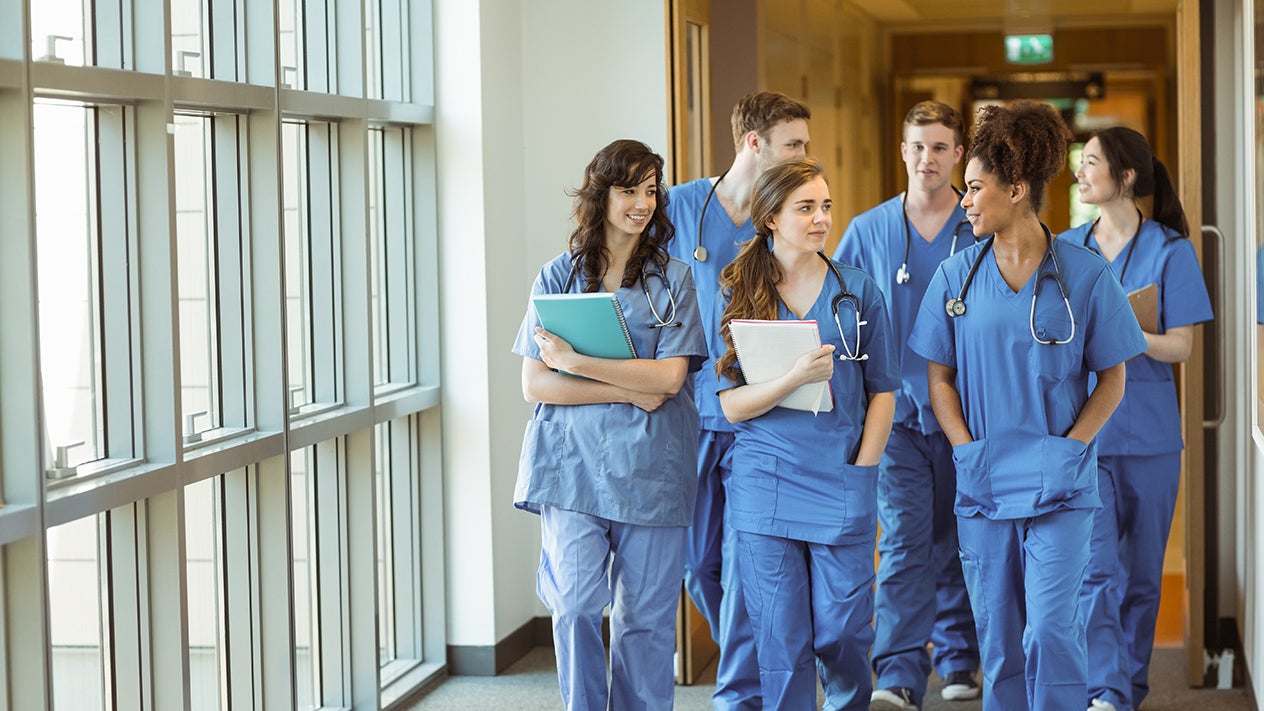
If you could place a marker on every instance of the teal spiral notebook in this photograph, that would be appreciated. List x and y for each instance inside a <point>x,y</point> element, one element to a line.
<point>592,323</point>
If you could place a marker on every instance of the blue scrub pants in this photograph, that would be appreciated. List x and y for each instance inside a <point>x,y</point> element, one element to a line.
<point>1109,670</point>
<point>712,582</point>
<point>921,595</point>
<point>1146,489</point>
<point>586,563</point>
<point>809,602</point>
<point>1024,577</point>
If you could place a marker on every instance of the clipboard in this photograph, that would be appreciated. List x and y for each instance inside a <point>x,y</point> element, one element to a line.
<point>1145,305</point>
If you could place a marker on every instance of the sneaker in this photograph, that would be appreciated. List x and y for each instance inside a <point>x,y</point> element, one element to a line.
<point>1099,705</point>
<point>960,686</point>
<point>896,698</point>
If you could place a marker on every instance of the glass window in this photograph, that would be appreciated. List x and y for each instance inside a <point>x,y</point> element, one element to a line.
<point>210,257</point>
<point>204,568</point>
<point>58,32</point>
<point>392,280</point>
<point>84,275</point>
<point>312,267</point>
<point>77,615</point>
<point>303,539</point>
<point>189,35</point>
<point>386,49</point>
<point>396,476</point>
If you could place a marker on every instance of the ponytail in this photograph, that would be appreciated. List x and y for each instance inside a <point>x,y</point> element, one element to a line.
<point>1167,206</point>
<point>749,282</point>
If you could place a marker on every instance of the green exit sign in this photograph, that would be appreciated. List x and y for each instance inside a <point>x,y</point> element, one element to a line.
<point>1029,49</point>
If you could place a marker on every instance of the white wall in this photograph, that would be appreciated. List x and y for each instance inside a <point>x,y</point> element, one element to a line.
<point>527,92</point>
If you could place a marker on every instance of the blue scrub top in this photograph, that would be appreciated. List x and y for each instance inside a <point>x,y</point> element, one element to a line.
<point>874,242</point>
<point>1148,420</point>
<point>721,238</point>
<point>1020,397</point>
<point>614,460</point>
<point>793,475</point>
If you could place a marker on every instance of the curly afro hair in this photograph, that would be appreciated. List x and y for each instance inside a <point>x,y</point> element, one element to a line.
<point>1024,142</point>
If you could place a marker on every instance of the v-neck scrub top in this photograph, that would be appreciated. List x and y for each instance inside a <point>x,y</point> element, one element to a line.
<point>874,243</point>
<point>1148,420</point>
<point>615,460</point>
<point>1020,397</point>
<point>793,472</point>
<point>721,238</point>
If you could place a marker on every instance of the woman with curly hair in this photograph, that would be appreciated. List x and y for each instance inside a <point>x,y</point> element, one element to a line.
<point>802,495</point>
<point>1013,328</point>
<point>1139,449</point>
<point>608,459</point>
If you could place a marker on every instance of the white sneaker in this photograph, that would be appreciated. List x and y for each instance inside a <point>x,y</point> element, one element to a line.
<point>1099,705</point>
<point>893,699</point>
<point>960,686</point>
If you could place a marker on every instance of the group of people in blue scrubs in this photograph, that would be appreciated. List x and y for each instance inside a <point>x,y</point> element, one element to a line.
<point>973,363</point>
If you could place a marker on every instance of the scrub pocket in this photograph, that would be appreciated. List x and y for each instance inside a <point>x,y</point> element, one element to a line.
<point>546,445</point>
<point>751,491</point>
<point>860,499</point>
<point>1065,471</point>
<point>1053,363</point>
<point>974,485</point>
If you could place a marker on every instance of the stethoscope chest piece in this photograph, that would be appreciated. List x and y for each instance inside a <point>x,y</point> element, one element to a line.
<point>902,276</point>
<point>700,253</point>
<point>955,307</point>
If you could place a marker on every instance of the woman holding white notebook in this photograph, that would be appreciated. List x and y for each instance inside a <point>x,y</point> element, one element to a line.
<point>803,491</point>
<point>608,459</point>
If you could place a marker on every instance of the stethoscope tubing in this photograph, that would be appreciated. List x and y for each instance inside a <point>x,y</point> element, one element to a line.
<point>902,274</point>
<point>659,321</point>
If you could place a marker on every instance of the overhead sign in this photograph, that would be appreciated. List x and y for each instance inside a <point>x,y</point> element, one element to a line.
<point>1029,49</point>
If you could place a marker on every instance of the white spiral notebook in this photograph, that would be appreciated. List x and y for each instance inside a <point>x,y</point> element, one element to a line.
<point>767,350</point>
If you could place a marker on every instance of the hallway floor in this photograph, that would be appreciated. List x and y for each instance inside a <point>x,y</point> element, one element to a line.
<point>531,684</point>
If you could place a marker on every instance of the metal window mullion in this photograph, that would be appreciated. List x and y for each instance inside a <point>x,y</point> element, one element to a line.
<point>405,538</point>
<point>110,36</point>
<point>230,290</point>
<point>398,276</point>
<point>273,614</point>
<point>211,258</point>
<point>419,52</point>
<point>122,649</point>
<point>328,533</point>
<point>353,314</point>
<point>322,288</point>
<point>266,335</point>
<point>347,63</point>
<point>239,583</point>
<point>360,573</point>
<point>113,209</point>
<point>164,603</point>
<point>425,354</point>
<point>393,44</point>
<point>314,51</point>
<point>427,439</point>
<point>223,42</point>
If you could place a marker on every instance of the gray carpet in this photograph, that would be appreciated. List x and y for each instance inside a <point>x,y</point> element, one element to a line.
<point>531,684</point>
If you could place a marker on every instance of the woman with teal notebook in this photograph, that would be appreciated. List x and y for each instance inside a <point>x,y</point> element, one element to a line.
<point>608,458</point>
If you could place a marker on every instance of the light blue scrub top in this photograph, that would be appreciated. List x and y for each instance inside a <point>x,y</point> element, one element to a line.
<point>614,460</point>
<point>1020,397</point>
<point>793,475</point>
<point>1148,420</point>
<point>874,243</point>
<point>720,237</point>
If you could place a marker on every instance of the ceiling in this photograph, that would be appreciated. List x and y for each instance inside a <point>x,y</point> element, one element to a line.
<point>1012,13</point>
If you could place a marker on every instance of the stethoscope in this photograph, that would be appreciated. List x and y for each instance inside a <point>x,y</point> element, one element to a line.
<point>957,306</point>
<point>1132,243</point>
<point>669,321</point>
<point>845,296</point>
<point>700,252</point>
<point>902,274</point>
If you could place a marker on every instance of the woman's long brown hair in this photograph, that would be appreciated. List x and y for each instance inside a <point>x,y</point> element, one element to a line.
<point>750,281</point>
<point>623,163</point>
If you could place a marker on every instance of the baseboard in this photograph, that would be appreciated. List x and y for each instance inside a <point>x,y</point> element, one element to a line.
<point>490,660</point>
